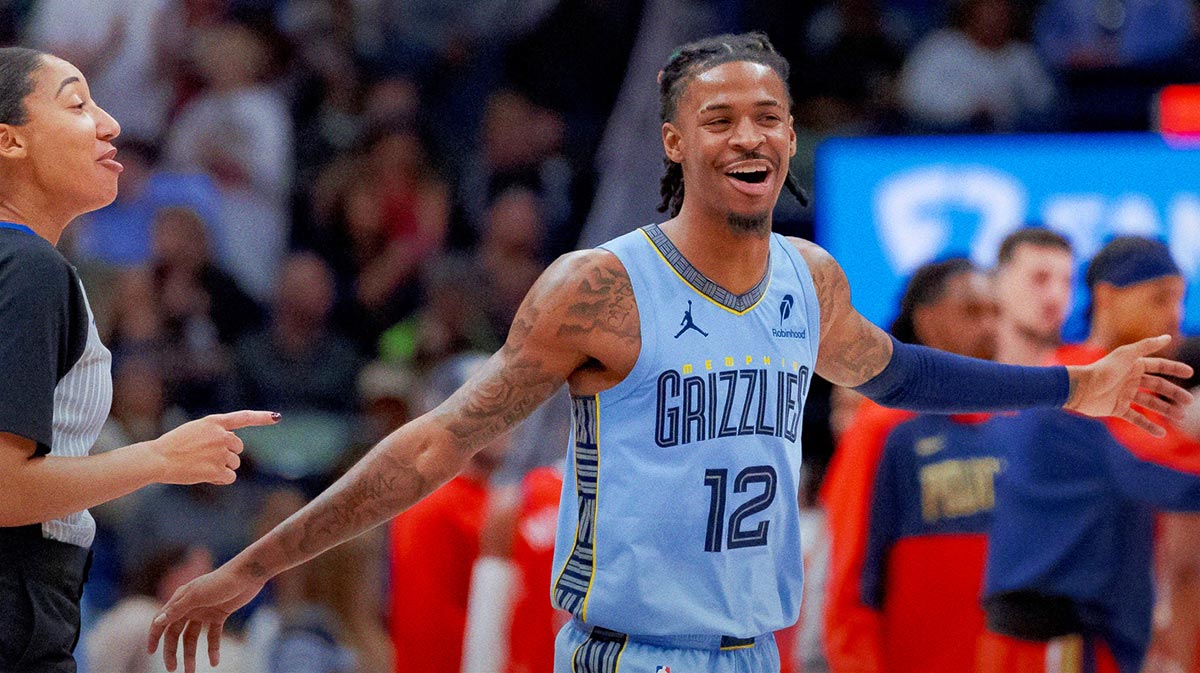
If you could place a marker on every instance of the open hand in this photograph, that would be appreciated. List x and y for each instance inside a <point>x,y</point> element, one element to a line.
<point>1126,379</point>
<point>205,601</point>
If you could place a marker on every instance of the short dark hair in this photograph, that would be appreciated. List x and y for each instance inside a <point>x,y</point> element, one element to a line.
<point>697,57</point>
<point>926,286</point>
<point>16,67</point>
<point>1035,236</point>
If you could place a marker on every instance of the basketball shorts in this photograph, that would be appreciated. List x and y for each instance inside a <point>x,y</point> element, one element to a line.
<point>583,649</point>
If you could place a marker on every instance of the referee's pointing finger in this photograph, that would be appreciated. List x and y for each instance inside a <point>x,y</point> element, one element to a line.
<point>244,419</point>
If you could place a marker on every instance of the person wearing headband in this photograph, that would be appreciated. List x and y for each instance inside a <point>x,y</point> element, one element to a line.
<point>1072,542</point>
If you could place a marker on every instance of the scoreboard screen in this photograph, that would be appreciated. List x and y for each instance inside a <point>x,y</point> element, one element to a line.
<point>885,206</point>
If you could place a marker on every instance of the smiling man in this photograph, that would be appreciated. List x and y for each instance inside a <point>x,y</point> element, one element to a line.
<point>679,536</point>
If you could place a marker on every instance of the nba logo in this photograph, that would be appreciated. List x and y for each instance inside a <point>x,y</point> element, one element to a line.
<point>663,669</point>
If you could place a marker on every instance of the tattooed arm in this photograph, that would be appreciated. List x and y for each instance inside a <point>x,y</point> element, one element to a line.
<point>852,349</point>
<point>580,312</point>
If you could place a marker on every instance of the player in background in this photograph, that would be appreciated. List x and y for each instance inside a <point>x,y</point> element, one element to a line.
<point>678,538</point>
<point>434,545</point>
<point>1175,647</point>
<point>1033,280</point>
<point>510,624</point>
<point>1069,571</point>
<point>946,305</point>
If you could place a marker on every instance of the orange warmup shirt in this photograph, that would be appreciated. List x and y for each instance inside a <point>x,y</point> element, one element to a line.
<point>534,620</point>
<point>433,548</point>
<point>853,631</point>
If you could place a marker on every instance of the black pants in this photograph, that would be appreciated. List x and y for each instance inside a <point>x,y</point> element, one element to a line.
<point>41,582</point>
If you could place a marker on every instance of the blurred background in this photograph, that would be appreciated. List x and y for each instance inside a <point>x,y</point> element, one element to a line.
<point>327,203</point>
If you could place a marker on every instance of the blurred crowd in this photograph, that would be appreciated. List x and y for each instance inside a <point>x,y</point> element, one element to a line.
<point>327,203</point>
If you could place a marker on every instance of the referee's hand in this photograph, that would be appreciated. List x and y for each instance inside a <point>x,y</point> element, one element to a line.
<point>205,450</point>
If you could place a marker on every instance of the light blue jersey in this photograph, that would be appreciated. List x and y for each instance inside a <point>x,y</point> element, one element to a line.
<point>679,512</point>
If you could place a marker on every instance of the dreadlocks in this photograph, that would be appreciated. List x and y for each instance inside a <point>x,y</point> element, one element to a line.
<point>694,58</point>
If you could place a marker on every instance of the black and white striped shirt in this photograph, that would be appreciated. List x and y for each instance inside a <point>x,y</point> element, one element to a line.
<point>55,375</point>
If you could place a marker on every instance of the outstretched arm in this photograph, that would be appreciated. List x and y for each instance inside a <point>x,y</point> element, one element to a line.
<point>578,305</point>
<point>857,354</point>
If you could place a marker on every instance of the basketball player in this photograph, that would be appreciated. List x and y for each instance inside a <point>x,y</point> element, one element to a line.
<point>946,305</point>
<point>1033,274</point>
<point>678,537</point>
<point>1069,568</point>
<point>56,163</point>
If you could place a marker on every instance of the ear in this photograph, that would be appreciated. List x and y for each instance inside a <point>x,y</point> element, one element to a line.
<point>791,136</point>
<point>12,142</point>
<point>671,142</point>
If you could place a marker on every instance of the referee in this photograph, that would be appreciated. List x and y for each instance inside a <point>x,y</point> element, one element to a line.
<point>56,163</point>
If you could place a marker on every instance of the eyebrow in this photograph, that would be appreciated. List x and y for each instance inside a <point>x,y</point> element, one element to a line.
<point>766,102</point>
<point>64,84</point>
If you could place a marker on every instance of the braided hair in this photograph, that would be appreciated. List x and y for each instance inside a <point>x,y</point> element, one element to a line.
<point>697,57</point>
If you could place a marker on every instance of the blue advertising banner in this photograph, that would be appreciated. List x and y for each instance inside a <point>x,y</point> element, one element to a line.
<point>884,206</point>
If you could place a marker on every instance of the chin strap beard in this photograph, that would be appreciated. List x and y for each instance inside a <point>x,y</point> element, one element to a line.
<point>757,223</point>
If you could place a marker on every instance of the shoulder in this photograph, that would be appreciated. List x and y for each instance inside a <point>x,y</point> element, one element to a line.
<point>818,259</point>
<point>32,268</point>
<point>829,280</point>
<point>582,276</point>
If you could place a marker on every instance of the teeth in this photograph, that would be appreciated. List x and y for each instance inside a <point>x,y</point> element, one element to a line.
<point>748,170</point>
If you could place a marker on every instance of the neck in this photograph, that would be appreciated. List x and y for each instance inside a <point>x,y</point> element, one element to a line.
<point>1015,346</point>
<point>735,260</point>
<point>21,204</point>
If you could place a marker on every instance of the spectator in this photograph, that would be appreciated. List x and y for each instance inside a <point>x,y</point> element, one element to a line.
<point>380,217</point>
<point>1085,35</point>
<point>510,253</point>
<point>238,131</point>
<point>325,615</point>
<point>1115,56</point>
<point>975,75</point>
<point>453,317</point>
<point>117,642</point>
<point>181,252</point>
<point>384,390</point>
<point>120,45</point>
<point>119,234</point>
<point>856,49</point>
<point>202,515</point>
<point>519,146</point>
<point>299,362</point>
<point>202,312</point>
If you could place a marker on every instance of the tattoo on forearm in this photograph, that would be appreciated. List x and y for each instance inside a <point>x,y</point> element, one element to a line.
<point>511,387</point>
<point>256,570</point>
<point>384,485</point>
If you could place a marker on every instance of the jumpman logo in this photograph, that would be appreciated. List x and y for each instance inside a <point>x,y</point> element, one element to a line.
<point>687,322</point>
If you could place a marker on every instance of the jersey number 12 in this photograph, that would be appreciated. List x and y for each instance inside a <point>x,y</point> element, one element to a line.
<point>738,537</point>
